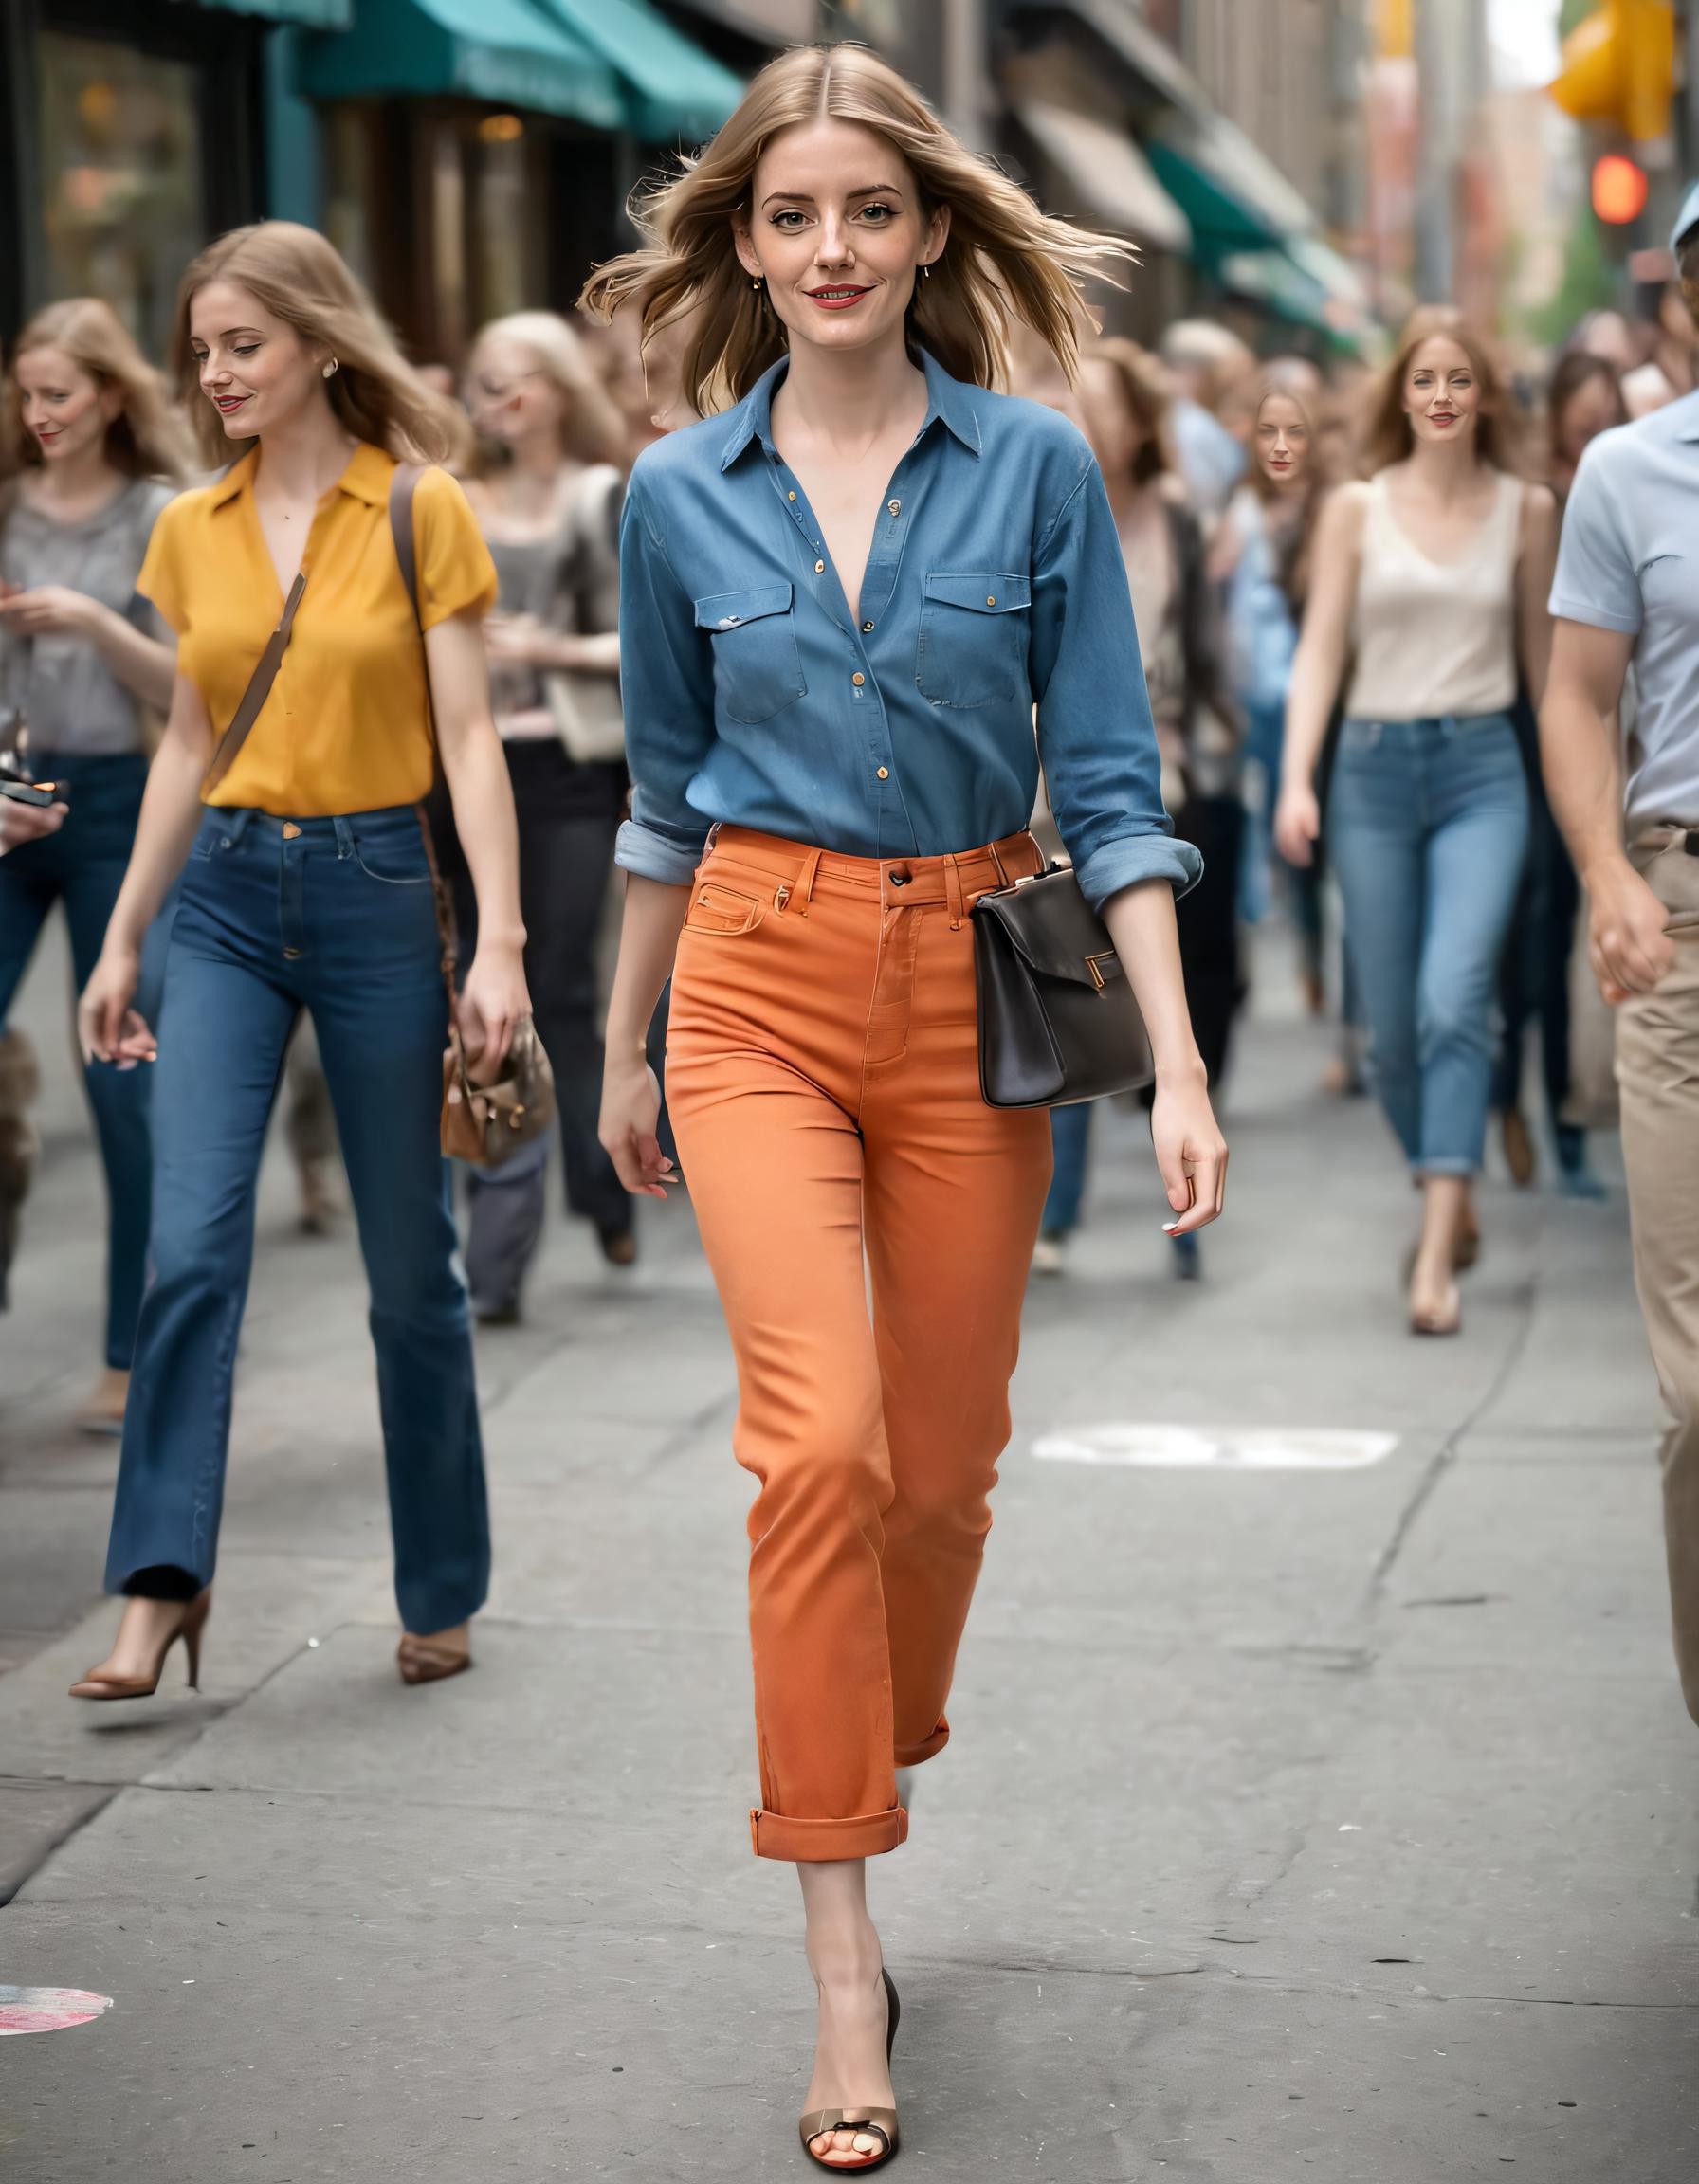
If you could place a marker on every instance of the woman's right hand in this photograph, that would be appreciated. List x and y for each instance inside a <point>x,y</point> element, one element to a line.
<point>1297,824</point>
<point>630,1117</point>
<point>28,822</point>
<point>107,1027</point>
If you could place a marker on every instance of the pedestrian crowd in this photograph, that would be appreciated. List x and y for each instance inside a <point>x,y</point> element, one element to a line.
<point>322,676</point>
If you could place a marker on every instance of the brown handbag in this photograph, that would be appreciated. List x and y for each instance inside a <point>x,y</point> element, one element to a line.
<point>484,1124</point>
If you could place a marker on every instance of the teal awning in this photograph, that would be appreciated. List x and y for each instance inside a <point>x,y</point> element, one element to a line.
<point>308,14</point>
<point>673,90</point>
<point>1306,283</point>
<point>504,52</point>
<point>1236,198</point>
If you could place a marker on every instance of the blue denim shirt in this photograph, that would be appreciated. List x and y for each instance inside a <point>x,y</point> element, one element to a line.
<point>995,583</point>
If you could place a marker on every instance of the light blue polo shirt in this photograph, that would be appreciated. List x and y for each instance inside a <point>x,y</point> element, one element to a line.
<point>1629,561</point>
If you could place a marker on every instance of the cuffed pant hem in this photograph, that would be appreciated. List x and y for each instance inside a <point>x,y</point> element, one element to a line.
<point>818,1842</point>
<point>1445,1164</point>
<point>912,1755</point>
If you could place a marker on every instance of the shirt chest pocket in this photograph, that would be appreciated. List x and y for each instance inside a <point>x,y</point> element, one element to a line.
<point>757,667</point>
<point>972,642</point>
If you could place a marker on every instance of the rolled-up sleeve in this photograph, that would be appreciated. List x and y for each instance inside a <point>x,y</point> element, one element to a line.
<point>666,685</point>
<point>1095,735</point>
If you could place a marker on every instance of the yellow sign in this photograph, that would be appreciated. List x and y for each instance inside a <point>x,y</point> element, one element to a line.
<point>1396,28</point>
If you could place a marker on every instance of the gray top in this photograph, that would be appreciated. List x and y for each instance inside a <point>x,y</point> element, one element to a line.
<point>70,698</point>
<point>1628,562</point>
<point>568,578</point>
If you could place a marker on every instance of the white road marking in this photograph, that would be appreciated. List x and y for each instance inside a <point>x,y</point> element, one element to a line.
<point>1167,1447</point>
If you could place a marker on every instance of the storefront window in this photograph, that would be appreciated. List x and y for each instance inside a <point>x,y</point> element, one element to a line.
<point>120,177</point>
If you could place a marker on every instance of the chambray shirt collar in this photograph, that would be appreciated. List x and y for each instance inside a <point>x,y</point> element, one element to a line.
<point>948,402</point>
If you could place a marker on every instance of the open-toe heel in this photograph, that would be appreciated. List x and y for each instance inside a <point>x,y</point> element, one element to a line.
<point>879,2123</point>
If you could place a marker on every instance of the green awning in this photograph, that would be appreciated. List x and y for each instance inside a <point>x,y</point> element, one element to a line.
<point>673,90</point>
<point>1307,284</point>
<point>308,14</point>
<point>504,52</point>
<point>1236,198</point>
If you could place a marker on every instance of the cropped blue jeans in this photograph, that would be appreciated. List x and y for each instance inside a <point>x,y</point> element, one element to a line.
<point>334,916</point>
<point>1426,830</point>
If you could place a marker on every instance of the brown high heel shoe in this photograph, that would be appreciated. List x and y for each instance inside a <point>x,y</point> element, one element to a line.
<point>879,2123</point>
<point>429,1660</point>
<point>188,1627</point>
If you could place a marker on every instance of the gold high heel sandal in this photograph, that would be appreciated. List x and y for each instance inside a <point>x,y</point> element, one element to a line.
<point>429,1660</point>
<point>879,2123</point>
<point>97,1684</point>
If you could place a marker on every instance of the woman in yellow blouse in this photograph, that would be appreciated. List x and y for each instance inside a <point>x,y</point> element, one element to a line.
<point>306,885</point>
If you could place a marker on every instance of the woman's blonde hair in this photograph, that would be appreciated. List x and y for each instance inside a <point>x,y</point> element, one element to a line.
<point>1387,437</point>
<point>594,431</point>
<point>146,439</point>
<point>301,278</point>
<point>1143,387</point>
<point>1005,260</point>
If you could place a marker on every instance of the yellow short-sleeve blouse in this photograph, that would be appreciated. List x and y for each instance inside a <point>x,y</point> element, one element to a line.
<point>347,726</point>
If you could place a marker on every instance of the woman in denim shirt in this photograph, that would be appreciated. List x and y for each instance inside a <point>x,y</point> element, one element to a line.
<point>843,594</point>
<point>1434,571</point>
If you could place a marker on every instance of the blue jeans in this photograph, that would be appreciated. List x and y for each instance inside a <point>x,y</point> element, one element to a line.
<point>1070,1141</point>
<point>1427,829</point>
<point>83,866</point>
<point>334,916</point>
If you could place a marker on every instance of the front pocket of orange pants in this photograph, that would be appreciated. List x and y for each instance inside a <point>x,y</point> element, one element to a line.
<point>718,909</point>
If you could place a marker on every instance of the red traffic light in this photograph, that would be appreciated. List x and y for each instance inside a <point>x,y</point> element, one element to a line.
<point>1619,190</point>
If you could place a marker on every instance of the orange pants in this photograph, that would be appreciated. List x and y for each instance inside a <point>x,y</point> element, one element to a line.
<point>823,1080</point>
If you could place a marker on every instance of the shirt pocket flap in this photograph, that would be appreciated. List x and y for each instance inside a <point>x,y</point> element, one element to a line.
<point>990,594</point>
<point>731,609</point>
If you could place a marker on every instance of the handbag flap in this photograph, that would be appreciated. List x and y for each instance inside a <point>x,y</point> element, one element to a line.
<point>1054,929</point>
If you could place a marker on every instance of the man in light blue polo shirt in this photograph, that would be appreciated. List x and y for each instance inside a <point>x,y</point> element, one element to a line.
<point>1627,589</point>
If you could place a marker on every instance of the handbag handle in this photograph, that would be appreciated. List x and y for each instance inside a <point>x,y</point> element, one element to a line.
<point>403,485</point>
<point>259,689</point>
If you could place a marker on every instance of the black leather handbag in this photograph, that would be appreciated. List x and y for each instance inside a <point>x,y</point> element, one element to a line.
<point>1057,1018</point>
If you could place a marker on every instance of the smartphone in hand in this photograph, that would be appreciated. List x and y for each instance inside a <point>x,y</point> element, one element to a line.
<point>37,793</point>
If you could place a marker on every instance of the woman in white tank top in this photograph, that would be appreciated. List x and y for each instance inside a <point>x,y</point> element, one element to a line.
<point>1431,580</point>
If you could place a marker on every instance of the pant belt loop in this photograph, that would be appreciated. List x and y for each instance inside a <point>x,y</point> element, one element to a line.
<point>801,889</point>
<point>344,838</point>
<point>238,821</point>
<point>953,892</point>
<point>996,858</point>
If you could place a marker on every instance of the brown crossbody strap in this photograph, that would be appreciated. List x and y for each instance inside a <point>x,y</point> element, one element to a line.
<point>403,485</point>
<point>259,689</point>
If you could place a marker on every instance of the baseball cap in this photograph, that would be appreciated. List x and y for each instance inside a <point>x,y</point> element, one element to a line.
<point>1687,219</point>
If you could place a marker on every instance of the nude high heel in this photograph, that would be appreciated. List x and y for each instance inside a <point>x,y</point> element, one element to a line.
<point>188,1627</point>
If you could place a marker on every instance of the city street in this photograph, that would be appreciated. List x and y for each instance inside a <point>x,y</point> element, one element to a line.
<point>1317,1809</point>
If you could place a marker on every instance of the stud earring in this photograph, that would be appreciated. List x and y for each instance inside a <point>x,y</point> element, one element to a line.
<point>330,369</point>
<point>925,272</point>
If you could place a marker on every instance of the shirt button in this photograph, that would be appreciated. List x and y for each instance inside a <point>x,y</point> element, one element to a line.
<point>790,496</point>
<point>895,507</point>
<point>819,568</point>
<point>990,602</point>
<point>866,625</point>
<point>884,772</point>
<point>858,679</point>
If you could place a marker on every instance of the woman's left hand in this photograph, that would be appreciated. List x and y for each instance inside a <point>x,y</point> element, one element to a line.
<point>1191,1153</point>
<point>491,1003</point>
<point>48,609</point>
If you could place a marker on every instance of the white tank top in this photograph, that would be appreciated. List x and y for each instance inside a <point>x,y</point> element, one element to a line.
<point>1436,637</point>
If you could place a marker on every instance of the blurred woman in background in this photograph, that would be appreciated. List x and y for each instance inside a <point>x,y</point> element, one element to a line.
<point>548,499</point>
<point>1584,399</point>
<point>90,454</point>
<point>1434,571</point>
<point>1264,553</point>
<point>1125,407</point>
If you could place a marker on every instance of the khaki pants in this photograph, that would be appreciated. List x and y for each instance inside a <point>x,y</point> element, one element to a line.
<point>1657,1069</point>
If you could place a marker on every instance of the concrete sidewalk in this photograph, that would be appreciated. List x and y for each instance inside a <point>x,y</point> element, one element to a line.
<point>1336,1823</point>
